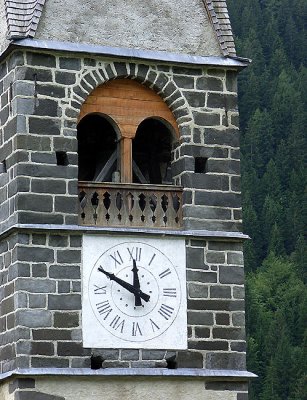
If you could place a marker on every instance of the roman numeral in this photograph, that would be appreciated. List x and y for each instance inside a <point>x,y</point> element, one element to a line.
<point>100,290</point>
<point>170,292</point>
<point>136,330</point>
<point>165,273</point>
<point>117,323</point>
<point>166,311</point>
<point>154,326</point>
<point>117,258</point>
<point>135,253</point>
<point>104,308</point>
<point>152,258</point>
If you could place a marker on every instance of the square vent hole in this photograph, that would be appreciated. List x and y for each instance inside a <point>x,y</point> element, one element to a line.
<point>201,165</point>
<point>3,168</point>
<point>61,158</point>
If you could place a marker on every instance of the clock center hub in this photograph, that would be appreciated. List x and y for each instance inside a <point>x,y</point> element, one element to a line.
<point>124,300</point>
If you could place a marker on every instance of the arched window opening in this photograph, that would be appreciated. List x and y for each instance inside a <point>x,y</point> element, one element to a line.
<point>151,153</point>
<point>125,137</point>
<point>97,149</point>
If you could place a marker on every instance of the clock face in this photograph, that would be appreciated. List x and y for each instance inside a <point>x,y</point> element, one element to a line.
<point>134,293</point>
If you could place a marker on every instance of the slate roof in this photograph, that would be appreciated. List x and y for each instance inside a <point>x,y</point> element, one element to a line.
<point>23,17</point>
<point>218,12</point>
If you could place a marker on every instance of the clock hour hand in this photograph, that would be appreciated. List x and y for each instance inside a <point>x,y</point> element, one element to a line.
<point>136,284</point>
<point>126,285</point>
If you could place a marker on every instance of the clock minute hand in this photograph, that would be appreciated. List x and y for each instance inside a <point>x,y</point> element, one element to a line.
<point>136,284</point>
<point>125,285</point>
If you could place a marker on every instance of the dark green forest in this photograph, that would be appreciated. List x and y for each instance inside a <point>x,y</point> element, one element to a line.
<point>272,101</point>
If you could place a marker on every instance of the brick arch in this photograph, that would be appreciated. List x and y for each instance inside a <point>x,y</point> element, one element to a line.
<point>128,103</point>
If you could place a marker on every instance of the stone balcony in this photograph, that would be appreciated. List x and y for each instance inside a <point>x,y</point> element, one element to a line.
<point>130,205</point>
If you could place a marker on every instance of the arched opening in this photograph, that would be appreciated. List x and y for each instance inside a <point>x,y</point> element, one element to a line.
<point>125,137</point>
<point>128,103</point>
<point>151,153</point>
<point>97,149</point>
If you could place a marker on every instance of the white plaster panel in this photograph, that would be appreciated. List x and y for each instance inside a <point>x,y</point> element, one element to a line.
<point>4,392</point>
<point>135,388</point>
<point>3,27</point>
<point>177,26</point>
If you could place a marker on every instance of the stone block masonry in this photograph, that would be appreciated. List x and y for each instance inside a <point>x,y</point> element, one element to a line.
<point>40,269</point>
<point>42,357</point>
<point>40,297</point>
<point>40,104</point>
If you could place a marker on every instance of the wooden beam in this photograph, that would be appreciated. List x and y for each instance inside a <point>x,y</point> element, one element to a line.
<point>106,168</point>
<point>126,160</point>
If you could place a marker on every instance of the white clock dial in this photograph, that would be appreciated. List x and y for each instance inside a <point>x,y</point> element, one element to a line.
<point>134,292</point>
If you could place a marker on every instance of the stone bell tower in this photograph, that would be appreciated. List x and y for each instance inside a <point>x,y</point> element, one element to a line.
<point>121,262</point>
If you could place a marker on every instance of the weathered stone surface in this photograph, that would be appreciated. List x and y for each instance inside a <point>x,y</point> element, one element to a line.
<point>69,256</point>
<point>224,166</point>
<point>217,100</point>
<point>238,319</point>
<point>32,74</point>
<point>28,217</point>
<point>51,91</point>
<point>215,257</point>
<point>185,82</point>
<point>33,318</point>
<point>64,272</point>
<point>206,181</point>
<point>218,199</point>
<point>70,63</point>
<point>46,107</point>
<point>232,275</point>
<point>200,318</point>
<point>64,302</point>
<point>196,99</point>
<point>226,386</point>
<point>220,292</point>
<point>207,118</point>
<point>210,345</point>
<point>66,319</point>
<point>228,333</point>
<point>201,276</point>
<point>231,81</point>
<point>195,257</point>
<point>222,319</point>
<point>38,203</point>
<point>187,71</point>
<point>197,291</point>
<point>235,183</point>
<point>189,359</point>
<point>238,346</point>
<point>235,258</point>
<point>217,305</point>
<point>71,349</point>
<point>35,285</point>
<point>229,137</point>
<point>130,355</point>
<point>35,254</point>
<point>65,78</point>
<point>225,361</point>
<point>209,83</point>
<point>48,362</point>
<point>40,59</point>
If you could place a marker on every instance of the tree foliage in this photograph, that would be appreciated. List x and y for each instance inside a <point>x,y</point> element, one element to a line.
<point>273,112</point>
